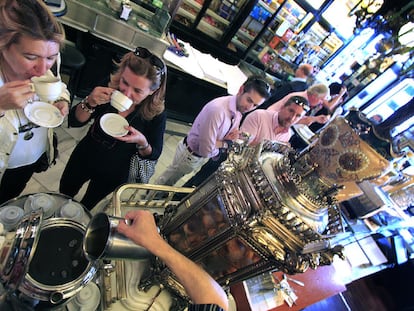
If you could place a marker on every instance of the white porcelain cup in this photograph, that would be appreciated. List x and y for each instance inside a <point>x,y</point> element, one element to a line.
<point>42,201</point>
<point>120,101</point>
<point>88,298</point>
<point>10,216</point>
<point>72,210</point>
<point>48,88</point>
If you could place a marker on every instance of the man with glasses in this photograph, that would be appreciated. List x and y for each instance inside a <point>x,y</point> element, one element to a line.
<point>275,125</point>
<point>103,156</point>
<point>315,96</point>
<point>213,129</point>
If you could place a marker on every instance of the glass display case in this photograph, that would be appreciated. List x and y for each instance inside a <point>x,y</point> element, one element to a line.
<point>316,46</point>
<point>218,16</point>
<point>256,21</point>
<point>340,15</point>
<point>350,58</point>
<point>212,17</point>
<point>396,96</point>
<point>288,20</point>
<point>294,33</point>
<point>274,35</point>
<point>188,11</point>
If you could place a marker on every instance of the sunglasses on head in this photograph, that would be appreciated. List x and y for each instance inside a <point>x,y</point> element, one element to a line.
<point>300,102</point>
<point>154,60</point>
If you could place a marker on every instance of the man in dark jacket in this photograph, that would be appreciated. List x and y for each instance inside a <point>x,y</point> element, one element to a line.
<point>297,84</point>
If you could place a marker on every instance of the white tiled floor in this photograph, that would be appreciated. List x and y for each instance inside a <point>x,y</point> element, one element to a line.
<point>68,138</point>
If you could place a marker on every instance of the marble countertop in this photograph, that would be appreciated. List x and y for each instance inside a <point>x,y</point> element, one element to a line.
<point>206,67</point>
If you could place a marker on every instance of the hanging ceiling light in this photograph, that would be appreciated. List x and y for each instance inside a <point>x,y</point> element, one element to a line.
<point>372,6</point>
<point>364,11</point>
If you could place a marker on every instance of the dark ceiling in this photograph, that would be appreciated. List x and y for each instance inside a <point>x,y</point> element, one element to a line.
<point>390,5</point>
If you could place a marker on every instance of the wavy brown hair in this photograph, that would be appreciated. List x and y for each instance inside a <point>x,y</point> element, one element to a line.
<point>30,18</point>
<point>152,105</point>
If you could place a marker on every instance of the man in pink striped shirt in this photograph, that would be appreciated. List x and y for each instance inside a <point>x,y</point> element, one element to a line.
<point>275,125</point>
<point>261,125</point>
<point>216,124</point>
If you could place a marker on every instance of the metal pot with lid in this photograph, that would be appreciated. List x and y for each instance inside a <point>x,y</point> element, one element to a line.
<point>42,260</point>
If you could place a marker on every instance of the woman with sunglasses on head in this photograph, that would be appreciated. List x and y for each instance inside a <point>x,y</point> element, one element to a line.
<point>30,40</point>
<point>104,160</point>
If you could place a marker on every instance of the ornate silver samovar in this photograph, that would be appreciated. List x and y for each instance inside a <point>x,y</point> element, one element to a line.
<point>266,208</point>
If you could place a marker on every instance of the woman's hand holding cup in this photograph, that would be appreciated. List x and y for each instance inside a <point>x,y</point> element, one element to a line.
<point>15,95</point>
<point>63,107</point>
<point>99,96</point>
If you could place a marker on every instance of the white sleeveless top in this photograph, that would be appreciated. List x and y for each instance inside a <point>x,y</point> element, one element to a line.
<point>33,148</point>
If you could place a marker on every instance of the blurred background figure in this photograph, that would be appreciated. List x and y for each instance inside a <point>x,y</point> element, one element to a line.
<point>281,89</point>
<point>337,96</point>
<point>315,95</point>
<point>296,84</point>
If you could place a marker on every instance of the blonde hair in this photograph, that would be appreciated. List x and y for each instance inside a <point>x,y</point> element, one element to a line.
<point>30,18</point>
<point>319,89</point>
<point>152,105</point>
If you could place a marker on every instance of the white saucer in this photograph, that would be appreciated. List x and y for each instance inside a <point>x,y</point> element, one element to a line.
<point>72,210</point>
<point>114,125</point>
<point>43,114</point>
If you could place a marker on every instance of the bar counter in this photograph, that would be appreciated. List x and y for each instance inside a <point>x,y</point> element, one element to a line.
<point>99,19</point>
<point>320,284</point>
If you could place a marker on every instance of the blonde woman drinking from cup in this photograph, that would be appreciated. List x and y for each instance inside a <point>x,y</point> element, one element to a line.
<point>120,128</point>
<point>30,40</point>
